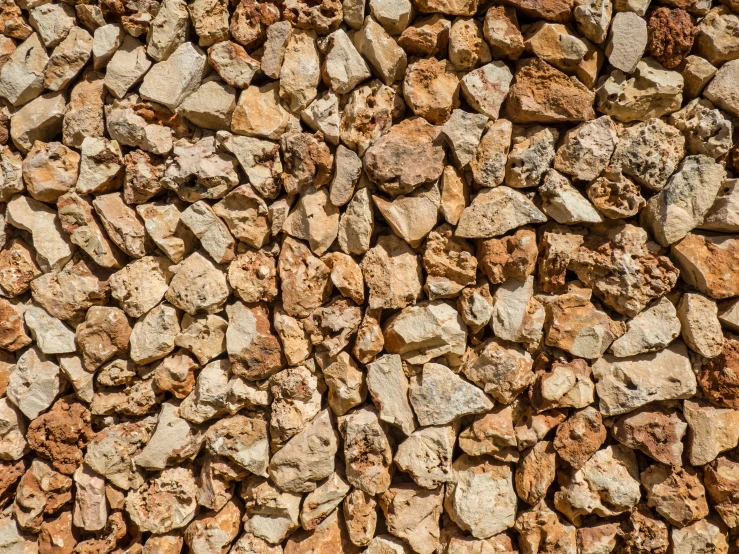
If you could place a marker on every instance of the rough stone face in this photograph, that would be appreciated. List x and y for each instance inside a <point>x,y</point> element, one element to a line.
<point>656,430</point>
<point>367,450</point>
<point>165,503</point>
<point>496,211</point>
<point>675,493</point>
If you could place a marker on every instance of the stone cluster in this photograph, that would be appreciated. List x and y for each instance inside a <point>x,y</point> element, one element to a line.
<point>383,276</point>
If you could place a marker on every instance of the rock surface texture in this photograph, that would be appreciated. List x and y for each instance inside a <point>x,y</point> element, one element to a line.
<point>382,276</point>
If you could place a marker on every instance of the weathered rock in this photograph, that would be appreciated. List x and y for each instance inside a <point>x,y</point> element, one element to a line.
<point>413,514</point>
<point>536,472</point>
<point>381,51</point>
<point>427,455</point>
<point>531,155</point>
<point>656,430</point>
<point>541,530</point>
<point>496,211</point>
<point>492,434</point>
<point>707,130</point>
<point>701,329</point>
<point>586,150</point>
<point>367,451</point>
<point>710,431</point>
<point>426,36</point>
<point>706,263</point>
<point>392,273</point>
<point>627,41</point>
<point>165,503</point>
<point>676,493</point>
<point>564,203</point>
<point>153,334</point>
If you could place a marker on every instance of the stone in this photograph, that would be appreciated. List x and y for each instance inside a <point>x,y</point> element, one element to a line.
<point>431,89</point>
<point>706,262</point>
<point>413,514</point>
<point>564,203</point>
<point>20,268</point>
<point>308,162</point>
<point>211,106</point>
<point>513,256</point>
<point>449,263</point>
<point>592,265</point>
<point>40,119</point>
<point>307,457</point>
<point>467,47</point>
<point>213,234</point>
<point>242,440</point>
<point>656,430</point>
<point>301,70</point>
<point>623,385</point>
<point>543,94</point>
<point>252,347</point>
<point>183,69</point>
<point>411,217</point>
<point>40,490</point>
<point>210,19</point>
<point>141,284</point>
<point>492,434</point>
<point>51,335</point>
<point>100,166</point>
<point>496,211</point>
<point>314,219</point>
<point>696,72</point>
<point>576,441</point>
<point>707,130</point>
<point>536,472</point>
<point>555,44</point>
<point>198,285</point>
<point>34,384</point>
<point>710,431</point>
<point>306,283</point>
<point>616,196</point>
<point>531,155</point>
<point>13,445</point>
<point>627,41</point>
<point>207,532</point>
<point>720,482</point>
<point>127,67</point>
<point>531,427</point>
<point>462,132</point>
<point>567,385</point>
<point>698,177</point>
<point>154,333</point>
<point>517,316</point>
<point>369,114</point>
<point>701,329</point>
<point>715,40</point>
<point>122,225</point>
<point>165,503</point>
<point>296,400</point>
<point>593,18</point>
<point>90,509</point>
<point>392,273</point>
<point>426,455</point>
<point>381,51</point>
<point>541,529</point>
<point>105,42</point>
<point>323,115</point>
<point>321,503</point>
<point>163,226</point>
<point>259,159</point>
<point>487,513</point>
<point>22,76</point>
<point>426,36</point>
<point>701,535</point>
<point>272,515</point>
<point>343,68</point>
<point>586,150</point>
<point>607,484</point>
<point>650,331</point>
<point>258,113</point>
<point>50,170</point>
<point>502,369</point>
<point>676,493</point>
<point>367,451</point>
<point>649,92</point>
<point>671,35</point>
<point>68,59</point>
<point>233,64</point>
<point>454,192</point>
<point>389,388</point>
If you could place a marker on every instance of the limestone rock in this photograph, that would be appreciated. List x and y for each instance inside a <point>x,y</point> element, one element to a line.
<point>127,67</point>
<point>656,430</point>
<point>586,150</point>
<point>502,369</point>
<point>577,440</point>
<point>367,451</point>
<point>301,70</point>
<point>427,455</point>
<point>650,331</point>
<point>701,329</point>
<point>706,263</point>
<point>676,493</point>
<point>496,211</point>
<point>51,335</point>
<point>34,384</point>
<point>258,113</point>
<point>413,514</point>
<point>392,273</point>
<point>627,41</point>
<point>233,64</point>
<point>166,502</point>
<point>711,431</point>
<point>555,44</point>
<point>252,347</point>
<point>22,76</point>
<point>272,515</point>
<point>305,279</point>
<point>536,472</point>
<point>564,203</point>
<point>492,434</point>
<point>707,129</point>
<point>381,51</point>
<point>153,334</point>
<point>198,285</point>
<point>486,88</point>
<point>531,156</point>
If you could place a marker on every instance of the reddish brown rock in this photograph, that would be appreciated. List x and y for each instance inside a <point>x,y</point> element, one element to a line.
<point>721,478</point>
<point>657,430</point>
<point>512,256</point>
<point>427,36</point>
<point>104,334</point>
<point>17,268</point>
<point>12,330</point>
<point>580,437</point>
<point>321,16</point>
<point>671,35</point>
<point>709,263</point>
<point>551,10</point>
<point>643,533</point>
<point>543,94</point>
<point>60,434</point>
<point>719,376</point>
<point>56,536</point>
<point>676,493</point>
<point>10,472</point>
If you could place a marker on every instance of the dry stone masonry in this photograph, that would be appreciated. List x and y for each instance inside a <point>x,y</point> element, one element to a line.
<point>382,276</point>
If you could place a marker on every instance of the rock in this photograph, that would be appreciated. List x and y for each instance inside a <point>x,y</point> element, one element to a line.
<point>587,149</point>
<point>13,444</point>
<point>258,113</point>
<point>51,335</point>
<point>210,19</point>
<point>559,246</point>
<point>627,41</point>
<point>68,59</point>
<point>701,535</point>
<point>517,316</point>
<point>485,88</point>
<point>650,92</point>
<point>198,285</point>
<point>211,106</point>
<point>698,177</point>
<point>34,384</point>
<point>697,72</point>
<point>531,156</point>
<point>649,152</point>
<point>253,276</point>
<point>100,166</point>
<point>305,279</point>
<point>20,268</point>
<point>449,263</point>
<point>720,482</point>
<point>307,457</point>
<point>321,503</point>
<point>717,377</point>
<point>50,170</point>
<point>41,489</point>
<point>210,230</point>
<point>715,40</point>
<point>616,196</point>
<point>367,452</point>
<point>369,114</point>
<point>647,277</point>
<point>513,256</point>
<point>40,119</point>
<point>90,509</point>
<point>676,493</point>
<point>243,440</point>
<point>543,94</point>
<point>314,219</point>
<point>437,386</point>
<point>385,161</point>
<point>301,70</point>
<point>165,503</point>
<point>348,172</point>
<point>487,513</point>
<point>531,428</point>
<point>466,45</point>
<point>22,76</point>
<point>650,331</point>
<point>207,533</point>
<point>593,18</point>
<point>453,195</point>
<point>606,485</point>
<point>413,514</point>
<point>343,68</point>
<point>701,328</point>
<point>564,203</point>
<point>623,384</point>
<point>671,34</point>
<point>105,42</point>
<point>308,162</point>
<point>576,441</point>
<point>381,51</point>
<point>711,431</point>
<point>567,385</point>
<point>392,273</point>
<point>249,543</point>
<point>656,430</point>
<point>272,515</point>
<point>502,369</point>
<point>163,226</point>
<point>427,455</point>
<point>168,30</point>
<point>153,334</point>
<point>122,224</point>
<point>426,36</point>
<point>556,45</point>
<point>536,472</point>
<point>706,262</point>
<point>411,217</point>
<point>233,64</point>
<point>707,130</point>
<point>496,211</point>
<point>127,67</point>
<point>491,434</point>
<point>541,529</point>
<point>389,388</point>
<point>251,345</point>
<point>141,284</point>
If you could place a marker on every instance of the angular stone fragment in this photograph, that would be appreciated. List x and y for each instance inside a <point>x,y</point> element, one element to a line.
<point>707,263</point>
<point>427,455</point>
<point>707,130</point>
<point>22,76</point>
<point>413,514</point>
<point>721,484</point>
<point>153,335</point>
<point>308,162</point>
<point>210,19</point>
<point>711,431</point>
<point>232,63</point>
<point>40,119</point>
<point>496,211</point>
<point>542,530</point>
<point>259,113</point>
<point>272,515</point>
<point>587,149</point>
<point>650,331</point>
<point>697,72</point>
<point>166,502</point>
<point>502,369</point>
<point>543,94</point>
<point>576,441</point>
<point>392,273</point>
<point>556,45</point>
<point>369,114</point>
<point>676,493</point>
<point>19,268</point>
<point>481,498</point>
<point>34,384</point>
<point>656,430</point>
<point>381,51</point>
<point>536,472</point>
<point>308,457</point>
<point>251,345</point>
<point>198,285</point>
<point>701,328</point>
<point>127,67</point>
<point>531,155</point>
<point>50,170</point>
<point>305,279</point>
<point>650,91</point>
<point>628,383</point>
<point>492,434</point>
<point>41,490</point>
<point>367,451</point>
<point>616,196</point>
<point>163,226</point>
<point>51,335</point>
<point>564,203</point>
<point>627,41</point>
<point>567,385</point>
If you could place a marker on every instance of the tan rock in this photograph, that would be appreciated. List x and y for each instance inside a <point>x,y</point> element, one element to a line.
<point>252,346</point>
<point>431,89</point>
<point>233,64</point>
<point>701,329</point>
<point>50,170</point>
<point>492,434</point>
<point>413,514</point>
<point>198,285</point>
<point>153,334</point>
<point>163,226</point>
<point>531,155</point>
<point>503,369</point>
<point>411,217</point>
<point>676,493</point>
<point>389,389</point>
<point>502,32</point>
<point>627,41</point>
<point>616,196</point>
<point>496,211</point>
<point>650,331</point>
<point>34,384</point>
<point>259,113</point>
<point>657,430</point>
<point>20,269</point>
<point>367,454</point>
<point>369,114</point>
<point>542,530</point>
<point>381,51</point>
<point>555,44</point>
<point>536,472</point>
<point>587,149</point>
<point>426,36</point>
<point>567,385</point>
<point>466,45</point>
<point>710,431</point>
<point>305,279</point>
<point>272,515</point>
<point>706,262</point>
<point>41,119</point>
<point>427,455</point>
<point>165,503</point>
<point>564,203</point>
<point>392,273</point>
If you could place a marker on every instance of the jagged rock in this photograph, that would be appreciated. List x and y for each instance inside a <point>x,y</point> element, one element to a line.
<point>650,331</point>
<point>676,493</point>
<point>586,150</point>
<point>166,502</point>
<point>531,155</point>
<point>496,211</point>
<point>656,430</point>
<point>413,514</point>
<point>492,434</point>
<point>711,431</point>
<point>427,455</point>
<point>389,389</point>
<point>576,441</point>
<point>367,451</point>
<point>381,51</point>
<point>706,262</point>
<point>701,329</point>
